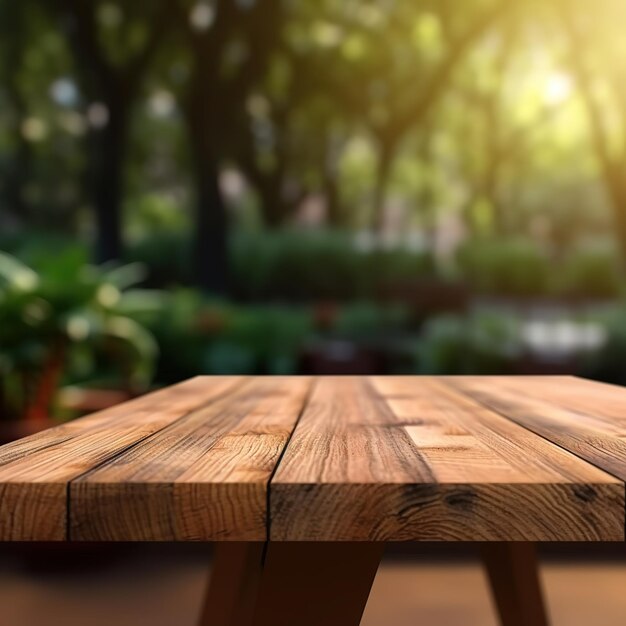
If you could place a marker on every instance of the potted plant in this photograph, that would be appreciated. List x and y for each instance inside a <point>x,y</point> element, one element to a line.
<point>45,315</point>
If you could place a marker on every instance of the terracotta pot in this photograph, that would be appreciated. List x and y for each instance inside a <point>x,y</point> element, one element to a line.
<point>80,401</point>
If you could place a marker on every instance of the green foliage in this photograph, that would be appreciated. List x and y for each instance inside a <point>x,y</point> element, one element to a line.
<point>165,254</point>
<point>444,121</point>
<point>62,304</point>
<point>200,335</point>
<point>520,267</point>
<point>509,134</point>
<point>516,267</point>
<point>476,344</point>
<point>300,266</point>
<point>607,363</point>
<point>296,266</point>
<point>593,271</point>
<point>288,265</point>
<point>368,322</point>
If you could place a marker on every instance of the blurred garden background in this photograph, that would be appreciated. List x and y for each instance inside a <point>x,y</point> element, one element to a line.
<point>306,186</point>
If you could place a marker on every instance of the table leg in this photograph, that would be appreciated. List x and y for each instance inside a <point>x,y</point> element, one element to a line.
<point>316,584</point>
<point>513,572</point>
<point>233,584</point>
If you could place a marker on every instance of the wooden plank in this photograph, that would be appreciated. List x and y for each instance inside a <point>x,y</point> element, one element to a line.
<point>584,417</point>
<point>202,478</point>
<point>233,585</point>
<point>35,471</point>
<point>316,584</point>
<point>408,458</point>
<point>396,458</point>
<point>514,580</point>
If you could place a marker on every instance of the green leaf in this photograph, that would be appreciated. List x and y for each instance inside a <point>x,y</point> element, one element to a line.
<point>16,274</point>
<point>127,275</point>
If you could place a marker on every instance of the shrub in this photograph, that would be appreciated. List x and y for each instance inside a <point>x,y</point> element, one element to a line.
<point>515,267</point>
<point>476,344</point>
<point>592,271</point>
<point>61,312</point>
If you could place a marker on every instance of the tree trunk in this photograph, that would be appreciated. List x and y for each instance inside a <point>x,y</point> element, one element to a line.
<point>380,187</point>
<point>500,221</point>
<point>109,144</point>
<point>334,213</point>
<point>19,175</point>
<point>210,250</point>
<point>617,193</point>
<point>274,207</point>
<point>612,167</point>
<point>21,162</point>
<point>209,254</point>
<point>207,124</point>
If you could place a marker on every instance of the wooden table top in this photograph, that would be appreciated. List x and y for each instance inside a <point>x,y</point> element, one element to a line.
<point>330,458</point>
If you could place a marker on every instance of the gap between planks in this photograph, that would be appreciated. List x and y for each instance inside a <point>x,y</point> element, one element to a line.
<point>268,486</point>
<point>236,388</point>
<point>245,380</point>
<point>375,395</point>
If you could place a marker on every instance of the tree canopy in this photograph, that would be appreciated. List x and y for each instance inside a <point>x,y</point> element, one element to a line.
<point>394,119</point>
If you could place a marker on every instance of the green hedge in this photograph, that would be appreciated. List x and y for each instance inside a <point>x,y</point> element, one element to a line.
<point>288,265</point>
<point>297,266</point>
<point>521,267</point>
<point>199,335</point>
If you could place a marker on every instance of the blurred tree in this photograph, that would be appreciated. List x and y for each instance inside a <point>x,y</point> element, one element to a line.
<point>18,169</point>
<point>284,146</point>
<point>324,107</point>
<point>113,44</point>
<point>265,138</point>
<point>402,65</point>
<point>488,97</point>
<point>40,160</point>
<point>342,68</point>
<point>596,55</point>
<point>502,119</point>
<point>230,44</point>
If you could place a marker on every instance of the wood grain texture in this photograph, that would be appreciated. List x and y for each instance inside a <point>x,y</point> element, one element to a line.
<point>35,471</point>
<point>204,477</point>
<point>408,458</point>
<point>585,417</point>
<point>330,459</point>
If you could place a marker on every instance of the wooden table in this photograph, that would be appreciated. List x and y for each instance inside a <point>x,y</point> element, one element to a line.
<point>339,465</point>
